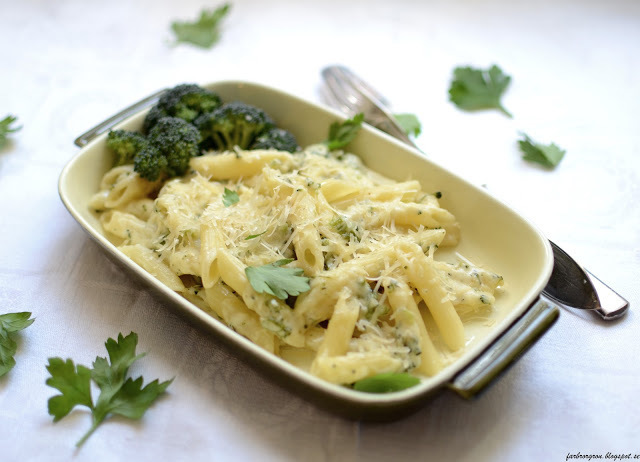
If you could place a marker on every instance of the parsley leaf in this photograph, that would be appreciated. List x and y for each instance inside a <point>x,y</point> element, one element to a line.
<point>341,134</point>
<point>110,374</point>
<point>473,89</point>
<point>119,394</point>
<point>10,323</point>
<point>74,382</point>
<point>386,383</point>
<point>6,128</point>
<point>409,123</point>
<point>547,155</point>
<point>13,322</point>
<point>204,32</point>
<point>230,197</point>
<point>277,281</point>
<point>132,400</point>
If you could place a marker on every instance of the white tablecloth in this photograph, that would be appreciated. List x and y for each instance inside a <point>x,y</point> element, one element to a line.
<point>69,64</point>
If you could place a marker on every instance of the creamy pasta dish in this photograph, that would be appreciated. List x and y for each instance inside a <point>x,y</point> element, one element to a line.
<point>369,297</point>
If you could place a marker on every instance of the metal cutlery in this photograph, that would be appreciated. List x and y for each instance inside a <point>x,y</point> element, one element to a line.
<point>351,95</point>
<point>570,284</point>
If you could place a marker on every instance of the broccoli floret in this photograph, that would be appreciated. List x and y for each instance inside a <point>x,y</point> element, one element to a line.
<point>233,124</point>
<point>125,145</point>
<point>153,116</point>
<point>178,141</point>
<point>150,164</point>
<point>186,101</point>
<point>171,143</point>
<point>276,138</point>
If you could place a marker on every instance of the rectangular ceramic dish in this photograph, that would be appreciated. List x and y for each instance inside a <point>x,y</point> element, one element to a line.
<point>493,236</point>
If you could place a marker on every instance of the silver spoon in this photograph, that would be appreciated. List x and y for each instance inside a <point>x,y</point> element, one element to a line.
<point>570,284</point>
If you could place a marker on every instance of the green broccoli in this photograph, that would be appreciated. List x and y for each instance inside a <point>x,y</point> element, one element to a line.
<point>150,164</point>
<point>153,116</point>
<point>276,138</point>
<point>233,124</point>
<point>186,101</point>
<point>171,143</point>
<point>125,145</point>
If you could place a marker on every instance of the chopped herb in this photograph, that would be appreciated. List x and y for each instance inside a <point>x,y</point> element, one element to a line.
<point>277,327</point>
<point>275,280</point>
<point>119,394</point>
<point>409,123</point>
<point>473,89</point>
<point>345,228</point>
<point>386,383</point>
<point>6,128</point>
<point>438,194</point>
<point>253,236</point>
<point>341,134</point>
<point>547,155</point>
<point>9,324</point>
<point>230,197</point>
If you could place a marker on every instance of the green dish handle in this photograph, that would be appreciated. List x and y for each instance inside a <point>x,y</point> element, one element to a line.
<point>493,361</point>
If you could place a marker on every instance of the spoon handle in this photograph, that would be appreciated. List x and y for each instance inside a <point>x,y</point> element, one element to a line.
<point>104,126</point>
<point>612,305</point>
<point>574,286</point>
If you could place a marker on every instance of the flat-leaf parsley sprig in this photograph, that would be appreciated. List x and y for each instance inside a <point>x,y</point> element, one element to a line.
<point>341,134</point>
<point>204,32</point>
<point>547,155</point>
<point>9,324</point>
<point>6,128</point>
<point>474,89</point>
<point>275,280</point>
<point>230,197</point>
<point>409,123</point>
<point>386,383</point>
<point>119,394</point>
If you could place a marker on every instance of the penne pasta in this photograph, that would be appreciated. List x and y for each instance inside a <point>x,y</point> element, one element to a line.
<point>309,255</point>
<point>148,260</point>
<point>306,239</point>
<point>210,241</point>
<point>230,308</point>
<point>425,279</point>
<point>411,327</point>
<point>232,166</point>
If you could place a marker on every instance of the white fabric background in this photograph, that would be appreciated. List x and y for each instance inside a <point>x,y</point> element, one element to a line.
<point>68,64</point>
